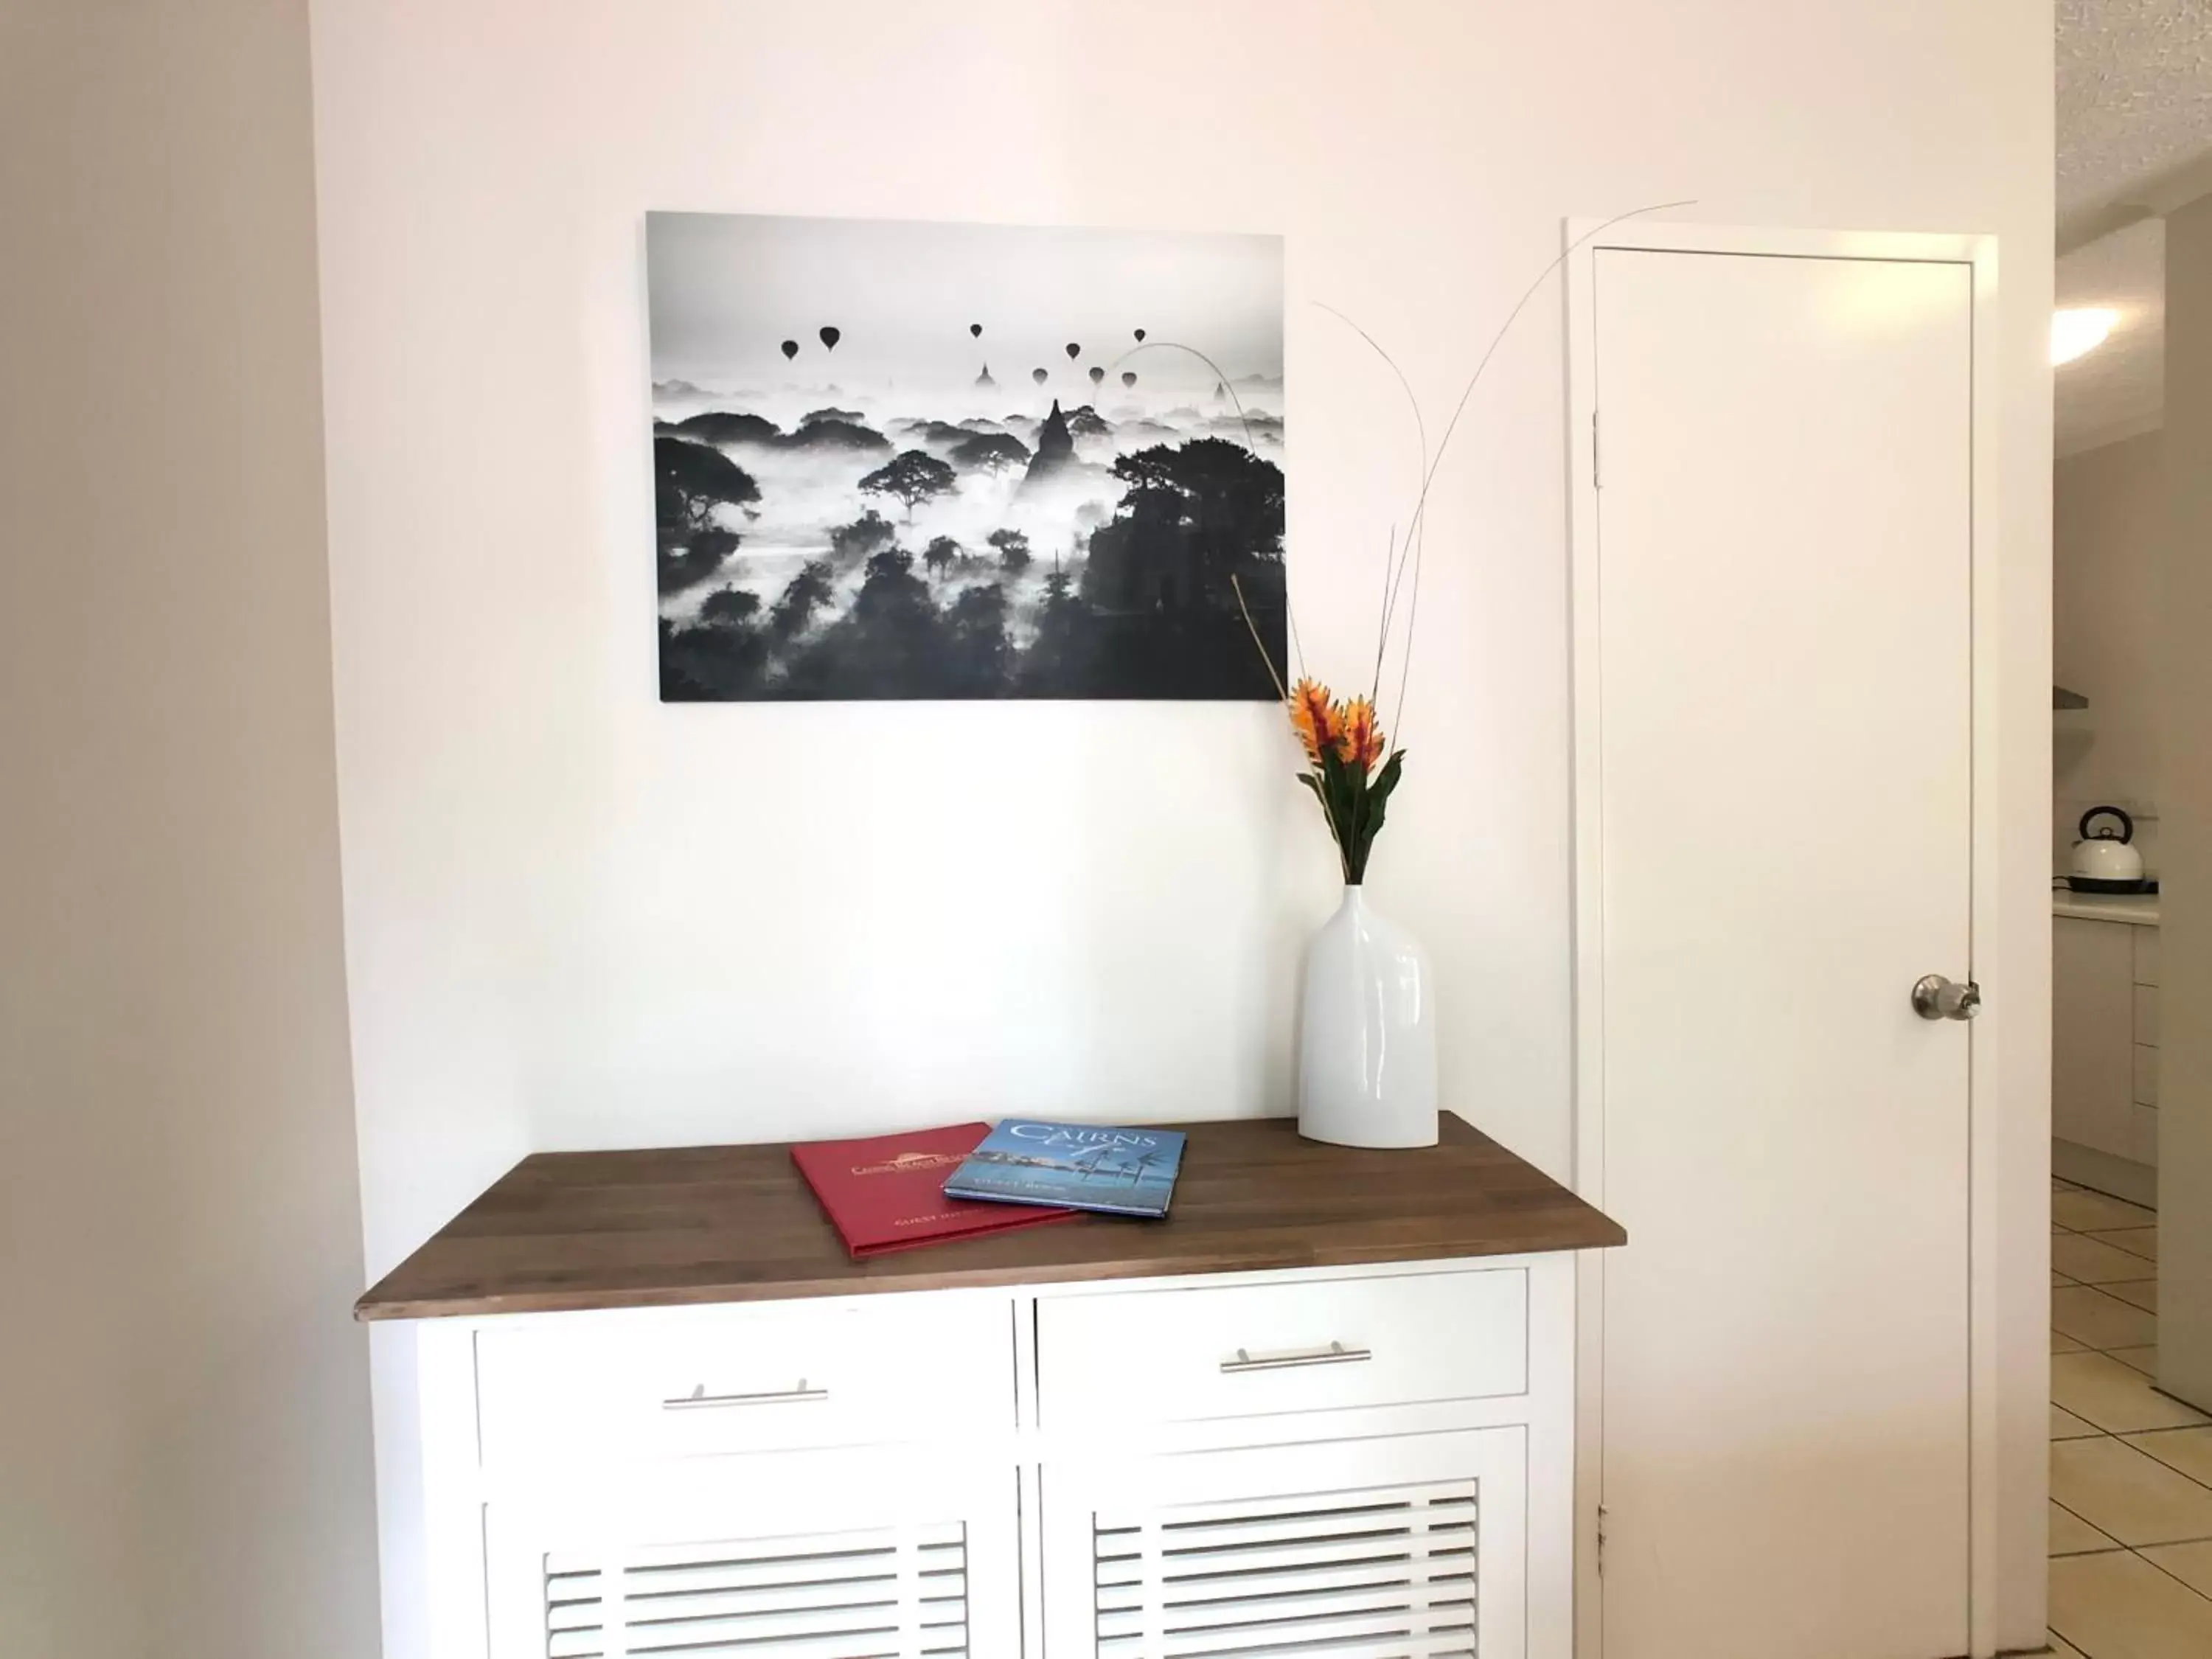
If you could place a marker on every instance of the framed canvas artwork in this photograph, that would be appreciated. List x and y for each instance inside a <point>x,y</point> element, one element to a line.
<point>908,460</point>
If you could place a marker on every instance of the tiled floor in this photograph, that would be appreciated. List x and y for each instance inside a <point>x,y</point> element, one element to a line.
<point>2130,1470</point>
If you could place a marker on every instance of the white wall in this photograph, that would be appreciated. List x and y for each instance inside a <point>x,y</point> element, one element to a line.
<point>2108,518</point>
<point>2185,1080</point>
<point>185,1465</point>
<point>577,918</point>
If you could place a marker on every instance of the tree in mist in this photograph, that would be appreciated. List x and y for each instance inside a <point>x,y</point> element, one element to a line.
<point>729,426</point>
<point>1197,522</point>
<point>892,644</point>
<point>725,658</point>
<point>1013,547</point>
<point>871,532</point>
<point>690,481</point>
<point>684,562</point>
<point>1194,516</point>
<point>982,656</point>
<point>807,593</point>
<point>730,607</point>
<point>891,586</point>
<point>913,476</point>
<point>1059,661</point>
<point>990,451</point>
<point>941,554</point>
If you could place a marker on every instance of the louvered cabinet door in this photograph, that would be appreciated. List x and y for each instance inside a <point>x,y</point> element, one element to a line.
<point>829,1556</point>
<point>1405,1548</point>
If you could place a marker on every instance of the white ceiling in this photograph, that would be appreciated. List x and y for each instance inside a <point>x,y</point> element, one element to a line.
<point>2135,140</point>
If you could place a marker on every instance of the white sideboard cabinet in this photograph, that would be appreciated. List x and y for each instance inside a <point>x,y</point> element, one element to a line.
<point>662,1414</point>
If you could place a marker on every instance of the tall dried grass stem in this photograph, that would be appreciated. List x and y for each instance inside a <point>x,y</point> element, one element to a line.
<point>1282,695</point>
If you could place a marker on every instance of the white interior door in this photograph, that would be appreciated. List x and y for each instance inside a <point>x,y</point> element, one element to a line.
<point>1777,815</point>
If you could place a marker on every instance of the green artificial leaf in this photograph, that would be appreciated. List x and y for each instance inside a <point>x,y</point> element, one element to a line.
<point>1375,805</point>
<point>1319,793</point>
<point>1332,770</point>
<point>1387,778</point>
<point>1337,793</point>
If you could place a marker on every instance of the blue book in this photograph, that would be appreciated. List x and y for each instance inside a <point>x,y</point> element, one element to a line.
<point>1073,1166</point>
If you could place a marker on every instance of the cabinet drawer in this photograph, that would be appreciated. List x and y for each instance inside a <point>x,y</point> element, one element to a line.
<point>717,1380</point>
<point>2145,1014</point>
<point>1254,1350</point>
<point>2145,1127</point>
<point>2146,956</point>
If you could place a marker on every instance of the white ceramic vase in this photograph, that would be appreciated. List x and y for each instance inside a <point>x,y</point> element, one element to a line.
<point>1367,1043</point>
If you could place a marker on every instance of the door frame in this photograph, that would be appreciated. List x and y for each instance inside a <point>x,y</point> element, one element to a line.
<point>1584,238</point>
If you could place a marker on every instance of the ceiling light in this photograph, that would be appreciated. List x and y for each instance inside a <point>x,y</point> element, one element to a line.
<point>2076,331</point>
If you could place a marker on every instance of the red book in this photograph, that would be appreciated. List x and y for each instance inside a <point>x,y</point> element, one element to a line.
<point>885,1193</point>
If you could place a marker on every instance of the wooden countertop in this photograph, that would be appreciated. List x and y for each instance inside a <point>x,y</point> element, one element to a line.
<point>562,1231</point>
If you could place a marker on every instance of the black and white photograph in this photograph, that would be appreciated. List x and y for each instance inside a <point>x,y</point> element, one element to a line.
<point>948,461</point>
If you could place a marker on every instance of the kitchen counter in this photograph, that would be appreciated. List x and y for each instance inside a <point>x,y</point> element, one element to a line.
<point>2137,910</point>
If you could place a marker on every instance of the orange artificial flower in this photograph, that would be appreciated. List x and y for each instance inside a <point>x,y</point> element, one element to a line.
<point>1318,722</point>
<point>1361,746</point>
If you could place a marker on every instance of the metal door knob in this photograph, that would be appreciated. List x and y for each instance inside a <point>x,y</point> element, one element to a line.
<point>1937,997</point>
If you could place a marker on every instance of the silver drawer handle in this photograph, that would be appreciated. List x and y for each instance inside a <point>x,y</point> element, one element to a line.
<point>1335,1354</point>
<point>699,1399</point>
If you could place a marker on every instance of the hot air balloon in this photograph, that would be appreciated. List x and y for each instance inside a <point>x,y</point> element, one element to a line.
<point>975,330</point>
<point>1141,337</point>
<point>1038,376</point>
<point>1074,351</point>
<point>790,350</point>
<point>1128,377</point>
<point>830,336</point>
<point>1096,376</point>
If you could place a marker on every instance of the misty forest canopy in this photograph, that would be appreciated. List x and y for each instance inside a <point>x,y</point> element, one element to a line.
<point>935,583</point>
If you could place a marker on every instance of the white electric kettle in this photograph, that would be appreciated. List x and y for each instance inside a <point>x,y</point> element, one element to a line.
<point>2106,859</point>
